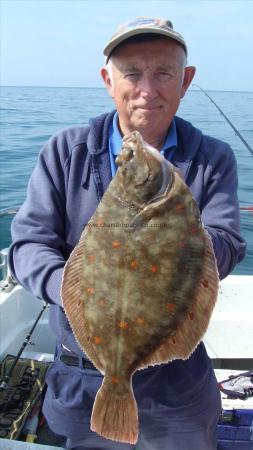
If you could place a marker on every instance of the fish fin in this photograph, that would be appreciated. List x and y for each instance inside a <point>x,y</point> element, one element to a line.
<point>191,330</point>
<point>72,297</point>
<point>115,416</point>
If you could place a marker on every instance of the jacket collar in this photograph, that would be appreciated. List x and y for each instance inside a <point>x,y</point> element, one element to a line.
<point>189,139</point>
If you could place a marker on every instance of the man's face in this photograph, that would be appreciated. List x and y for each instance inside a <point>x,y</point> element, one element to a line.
<point>147,81</point>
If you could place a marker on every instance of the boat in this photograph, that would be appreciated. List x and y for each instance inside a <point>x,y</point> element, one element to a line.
<point>228,340</point>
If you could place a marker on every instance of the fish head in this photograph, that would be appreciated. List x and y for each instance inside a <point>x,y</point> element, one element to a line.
<point>143,172</point>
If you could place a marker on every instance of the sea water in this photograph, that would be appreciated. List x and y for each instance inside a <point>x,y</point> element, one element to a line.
<point>30,115</point>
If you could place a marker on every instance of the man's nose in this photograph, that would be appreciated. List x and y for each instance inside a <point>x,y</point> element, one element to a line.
<point>147,85</point>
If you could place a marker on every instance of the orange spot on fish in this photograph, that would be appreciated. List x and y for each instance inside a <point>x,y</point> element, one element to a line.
<point>205,283</point>
<point>115,244</point>
<point>91,258</point>
<point>140,320</point>
<point>154,268</point>
<point>97,340</point>
<point>90,290</point>
<point>123,325</point>
<point>193,229</point>
<point>100,222</point>
<point>179,207</point>
<point>115,380</point>
<point>102,302</point>
<point>171,307</point>
<point>134,264</point>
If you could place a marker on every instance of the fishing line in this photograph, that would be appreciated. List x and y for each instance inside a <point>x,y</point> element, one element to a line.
<point>249,208</point>
<point>227,119</point>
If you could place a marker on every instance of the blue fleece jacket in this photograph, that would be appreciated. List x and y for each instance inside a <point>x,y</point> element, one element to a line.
<point>69,180</point>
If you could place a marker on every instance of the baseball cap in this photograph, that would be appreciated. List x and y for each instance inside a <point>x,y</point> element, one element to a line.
<point>142,25</point>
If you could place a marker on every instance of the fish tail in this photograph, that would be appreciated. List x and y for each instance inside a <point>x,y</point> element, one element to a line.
<point>115,416</point>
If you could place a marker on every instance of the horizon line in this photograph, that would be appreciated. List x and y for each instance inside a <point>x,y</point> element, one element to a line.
<point>104,88</point>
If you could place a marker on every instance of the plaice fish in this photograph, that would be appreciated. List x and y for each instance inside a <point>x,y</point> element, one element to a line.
<point>140,286</point>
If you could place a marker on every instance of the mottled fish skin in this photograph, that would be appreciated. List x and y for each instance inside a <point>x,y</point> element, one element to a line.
<point>142,266</point>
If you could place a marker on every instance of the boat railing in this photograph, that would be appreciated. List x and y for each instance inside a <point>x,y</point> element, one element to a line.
<point>7,283</point>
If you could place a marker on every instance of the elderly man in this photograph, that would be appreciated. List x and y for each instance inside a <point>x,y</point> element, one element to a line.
<point>146,75</point>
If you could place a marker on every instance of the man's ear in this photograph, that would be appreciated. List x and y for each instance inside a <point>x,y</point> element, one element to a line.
<point>189,73</point>
<point>107,80</point>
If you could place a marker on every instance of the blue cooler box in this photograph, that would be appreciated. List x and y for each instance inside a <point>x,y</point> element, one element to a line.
<point>235,430</point>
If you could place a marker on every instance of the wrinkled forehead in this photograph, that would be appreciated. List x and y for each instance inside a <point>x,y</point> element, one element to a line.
<point>135,64</point>
<point>163,52</point>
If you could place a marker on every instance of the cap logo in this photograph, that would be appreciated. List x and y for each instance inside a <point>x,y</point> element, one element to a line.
<point>146,21</point>
<point>140,22</point>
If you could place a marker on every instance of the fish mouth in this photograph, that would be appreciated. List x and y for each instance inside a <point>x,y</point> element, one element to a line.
<point>128,152</point>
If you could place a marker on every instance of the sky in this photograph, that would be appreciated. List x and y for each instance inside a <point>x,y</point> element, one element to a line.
<point>60,42</point>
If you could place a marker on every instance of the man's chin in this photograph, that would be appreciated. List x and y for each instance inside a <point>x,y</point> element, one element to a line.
<point>144,123</point>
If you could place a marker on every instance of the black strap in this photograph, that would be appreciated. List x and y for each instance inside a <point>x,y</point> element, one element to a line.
<point>75,361</point>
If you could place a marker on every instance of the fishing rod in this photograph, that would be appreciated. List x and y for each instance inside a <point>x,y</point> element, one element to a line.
<point>10,211</point>
<point>227,119</point>
<point>5,381</point>
<point>247,209</point>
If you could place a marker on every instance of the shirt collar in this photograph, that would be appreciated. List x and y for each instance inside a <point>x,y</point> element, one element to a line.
<point>115,138</point>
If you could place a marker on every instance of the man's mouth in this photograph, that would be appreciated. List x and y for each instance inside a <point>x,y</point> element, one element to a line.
<point>148,108</point>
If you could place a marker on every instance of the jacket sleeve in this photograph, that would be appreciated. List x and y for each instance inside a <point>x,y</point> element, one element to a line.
<point>220,209</point>
<point>36,256</point>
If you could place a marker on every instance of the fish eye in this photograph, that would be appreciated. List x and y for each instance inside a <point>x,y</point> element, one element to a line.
<point>124,156</point>
<point>128,153</point>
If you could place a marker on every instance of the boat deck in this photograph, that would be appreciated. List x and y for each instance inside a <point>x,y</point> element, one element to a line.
<point>18,445</point>
<point>228,340</point>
